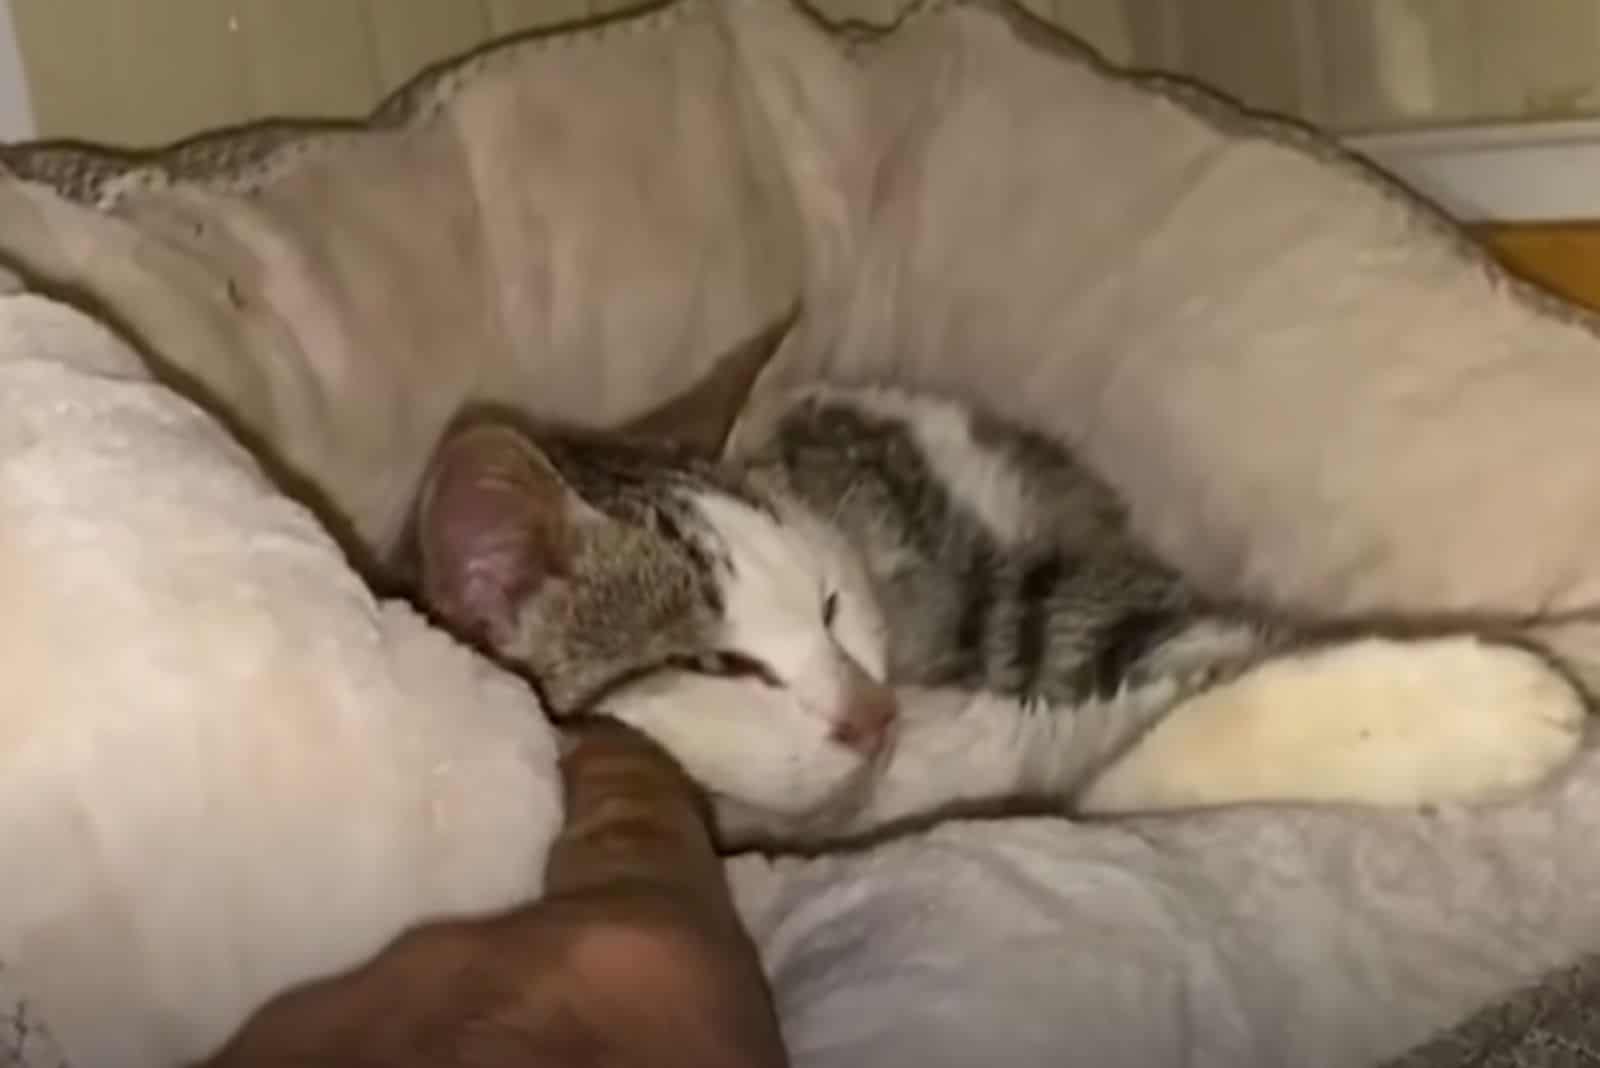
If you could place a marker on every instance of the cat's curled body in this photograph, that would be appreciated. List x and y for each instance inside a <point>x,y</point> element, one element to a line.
<point>1003,566</point>
<point>856,540</point>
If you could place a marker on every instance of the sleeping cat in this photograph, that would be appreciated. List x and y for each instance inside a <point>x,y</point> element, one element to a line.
<point>881,606</point>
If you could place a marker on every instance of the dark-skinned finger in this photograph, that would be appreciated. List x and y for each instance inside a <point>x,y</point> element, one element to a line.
<point>632,817</point>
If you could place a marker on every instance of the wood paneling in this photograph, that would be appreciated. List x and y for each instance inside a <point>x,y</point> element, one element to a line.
<point>144,71</point>
<point>1564,257</point>
<point>132,72</point>
<point>1245,47</point>
<point>408,35</point>
<point>1398,61</point>
<point>307,57</point>
<point>1101,23</point>
<point>875,12</point>
<point>611,7</point>
<point>510,16</point>
<point>1536,60</point>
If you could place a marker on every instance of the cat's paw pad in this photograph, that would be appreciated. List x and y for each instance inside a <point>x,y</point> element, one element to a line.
<point>1368,722</point>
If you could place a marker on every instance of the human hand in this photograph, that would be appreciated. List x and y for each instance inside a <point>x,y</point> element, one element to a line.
<point>635,957</point>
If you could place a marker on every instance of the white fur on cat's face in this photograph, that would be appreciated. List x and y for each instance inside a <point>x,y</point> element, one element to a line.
<point>798,603</point>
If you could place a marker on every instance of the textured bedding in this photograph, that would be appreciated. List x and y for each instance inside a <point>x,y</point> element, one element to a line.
<point>226,765</point>
<point>1307,385</point>
<point>1551,1024</point>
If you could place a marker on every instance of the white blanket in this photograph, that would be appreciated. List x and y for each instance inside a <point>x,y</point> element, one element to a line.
<point>223,766</point>
<point>1249,938</point>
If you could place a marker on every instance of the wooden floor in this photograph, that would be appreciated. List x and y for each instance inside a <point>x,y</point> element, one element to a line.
<point>1562,256</point>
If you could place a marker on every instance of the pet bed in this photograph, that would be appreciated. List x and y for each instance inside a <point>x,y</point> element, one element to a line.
<point>228,767</point>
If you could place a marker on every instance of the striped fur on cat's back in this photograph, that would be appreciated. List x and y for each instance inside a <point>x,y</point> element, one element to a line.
<point>1003,565</point>
<point>1010,572</point>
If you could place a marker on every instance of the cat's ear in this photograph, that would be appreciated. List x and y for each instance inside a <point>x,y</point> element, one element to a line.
<point>700,418</point>
<point>493,524</point>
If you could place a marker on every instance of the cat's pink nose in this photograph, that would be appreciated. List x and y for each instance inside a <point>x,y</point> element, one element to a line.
<point>868,719</point>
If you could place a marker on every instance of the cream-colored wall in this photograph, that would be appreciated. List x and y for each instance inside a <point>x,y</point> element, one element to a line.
<point>148,71</point>
<point>1359,65</point>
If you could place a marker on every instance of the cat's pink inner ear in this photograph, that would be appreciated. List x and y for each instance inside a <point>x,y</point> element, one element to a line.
<point>494,525</point>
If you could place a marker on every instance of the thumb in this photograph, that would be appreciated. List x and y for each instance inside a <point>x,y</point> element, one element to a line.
<point>632,817</point>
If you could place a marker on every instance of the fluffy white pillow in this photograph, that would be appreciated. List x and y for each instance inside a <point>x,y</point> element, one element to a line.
<point>223,765</point>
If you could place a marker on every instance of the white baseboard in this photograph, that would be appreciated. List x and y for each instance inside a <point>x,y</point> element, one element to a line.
<point>1513,172</point>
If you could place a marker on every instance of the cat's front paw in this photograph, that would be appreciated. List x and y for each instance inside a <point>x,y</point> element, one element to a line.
<point>1367,722</point>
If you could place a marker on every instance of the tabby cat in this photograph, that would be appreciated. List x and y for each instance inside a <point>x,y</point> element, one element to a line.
<point>880,606</point>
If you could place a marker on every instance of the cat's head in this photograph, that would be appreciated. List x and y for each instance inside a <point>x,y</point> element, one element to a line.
<point>688,598</point>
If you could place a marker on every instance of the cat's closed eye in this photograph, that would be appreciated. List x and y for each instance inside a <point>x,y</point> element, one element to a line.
<point>830,608</point>
<point>725,663</point>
